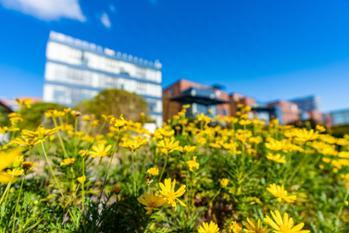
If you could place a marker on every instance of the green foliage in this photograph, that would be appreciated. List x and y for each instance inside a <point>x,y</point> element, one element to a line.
<point>340,130</point>
<point>116,103</point>
<point>34,116</point>
<point>3,116</point>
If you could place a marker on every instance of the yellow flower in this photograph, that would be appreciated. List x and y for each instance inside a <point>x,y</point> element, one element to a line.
<point>7,159</point>
<point>188,149</point>
<point>30,138</point>
<point>210,227</point>
<point>283,224</point>
<point>224,182</point>
<point>345,178</point>
<point>168,145</point>
<point>81,179</point>
<point>203,118</point>
<point>164,132</point>
<point>276,158</point>
<point>134,143</point>
<point>235,227</point>
<point>253,226</point>
<point>100,150</point>
<point>192,164</point>
<point>281,194</point>
<point>68,161</point>
<point>167,191</point>
<point>151,201</point>
<point>15,118</point>
<point>83,153</point>
<point>16,172</point>
<point>154,171</point>
<point>24,103</point>
<point>320,128</point>
<point>54,114</point>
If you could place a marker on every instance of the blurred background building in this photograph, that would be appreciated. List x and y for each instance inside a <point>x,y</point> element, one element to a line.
<point>77,70</point>
<point>212,101</point>
<point>201,98</point>
<point>338,117</point>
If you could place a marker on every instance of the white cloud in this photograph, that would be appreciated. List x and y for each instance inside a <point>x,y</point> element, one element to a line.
<point>47,9</point>
<point>105,20</point>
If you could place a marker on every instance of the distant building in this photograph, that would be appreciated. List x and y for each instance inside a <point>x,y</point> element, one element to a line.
<point>285,111</point>
<point>201,98</point>
<point>4,107</point>
<point>77,70</point>
<point>213,101</point>
<point>309,108</point>
<point>208,100</point>
<point>338,117</point>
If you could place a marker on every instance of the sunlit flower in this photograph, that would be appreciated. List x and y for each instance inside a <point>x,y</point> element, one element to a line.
<point>281,194</point>
<point>210,227</point>
<point>235,227</point>
<point>193,164</point>
<point>224,182</point>
<point>167,191</point>
<point>253,226</point>
<point>24,102</point>
<point>188,149</point>
<point>154,171</point>
<point>83,153</point>
<point>151,201</point>
<point>283,224</point>
<point>320,128</point>
<point>15,118</point>
<point>67,162</point>
<point>100,150</point>
<point>276,158</point>
<point>81,179</point>
<point>7,159</point>
<point>133,143</point>
<point>168,145</point>
<point>203,118</point>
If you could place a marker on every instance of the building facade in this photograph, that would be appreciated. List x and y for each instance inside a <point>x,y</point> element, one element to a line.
<point>212,101</point>
<point>77,70</point>
<point>309,108</point>
<point>339,117</point>
<point>285,111</point>
<point>201,98</point>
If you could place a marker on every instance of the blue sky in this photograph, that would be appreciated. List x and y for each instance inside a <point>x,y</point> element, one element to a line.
<point>266,49</point>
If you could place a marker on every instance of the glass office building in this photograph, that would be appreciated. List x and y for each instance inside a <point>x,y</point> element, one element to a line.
<point>77,70</point>
<point>340,117</point>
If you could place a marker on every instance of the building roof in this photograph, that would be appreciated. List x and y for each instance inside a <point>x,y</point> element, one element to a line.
<point>5,107</point>
<point>200,96</point>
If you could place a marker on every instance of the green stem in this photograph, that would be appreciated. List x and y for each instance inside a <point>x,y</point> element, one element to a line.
<point>341,209</point>
<point>3,197</point>
<point>51,169</point>
<point>83,184</point>
<point>60,138</point>
<point>17,204</point>
<point>163,169</point>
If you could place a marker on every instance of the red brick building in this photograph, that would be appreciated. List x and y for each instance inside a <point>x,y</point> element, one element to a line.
<point>201,97</point>
<point>214,101</point>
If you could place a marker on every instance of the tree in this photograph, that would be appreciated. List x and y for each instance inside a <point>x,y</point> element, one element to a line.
<point>34,116</point>
<point>115,102</point>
